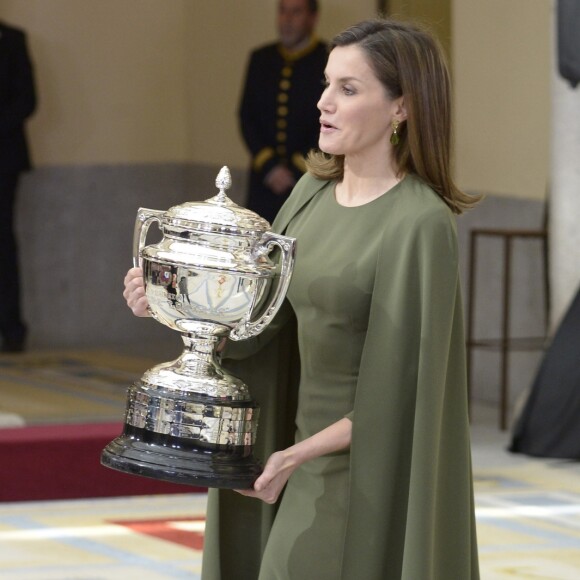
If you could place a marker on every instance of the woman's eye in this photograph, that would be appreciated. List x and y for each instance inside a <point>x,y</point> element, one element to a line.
<point>348,90</point>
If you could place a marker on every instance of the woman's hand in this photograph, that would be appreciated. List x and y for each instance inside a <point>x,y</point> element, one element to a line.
<point>282,464</point>
<point>134,292</point>
<point>271,482</point>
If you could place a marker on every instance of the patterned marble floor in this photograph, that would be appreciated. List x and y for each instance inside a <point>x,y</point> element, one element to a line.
<point>144,538</point>
<point>528,518</point>
<point>528,510</point>
<point>74,386</point>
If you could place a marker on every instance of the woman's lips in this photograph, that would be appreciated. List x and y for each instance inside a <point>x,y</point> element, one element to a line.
<point>326,127</point>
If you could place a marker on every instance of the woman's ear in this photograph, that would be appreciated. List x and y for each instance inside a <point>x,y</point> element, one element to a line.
<point>400,112</point>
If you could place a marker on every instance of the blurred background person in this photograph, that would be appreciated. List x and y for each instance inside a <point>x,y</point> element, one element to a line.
<point>278,114</point>
<point>17,103</point>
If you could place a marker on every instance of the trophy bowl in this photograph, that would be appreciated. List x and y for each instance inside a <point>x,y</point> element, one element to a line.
<point>210,277</point>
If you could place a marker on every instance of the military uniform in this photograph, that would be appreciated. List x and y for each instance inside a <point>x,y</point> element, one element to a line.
<point>278,116</point>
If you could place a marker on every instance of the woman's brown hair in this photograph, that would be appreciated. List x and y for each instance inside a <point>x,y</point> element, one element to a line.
<point>409,62</point>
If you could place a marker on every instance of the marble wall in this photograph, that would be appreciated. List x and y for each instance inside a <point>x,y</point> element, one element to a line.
<point>76,229</point>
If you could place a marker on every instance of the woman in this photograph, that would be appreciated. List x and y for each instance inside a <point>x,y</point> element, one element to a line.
<point>377,481</point>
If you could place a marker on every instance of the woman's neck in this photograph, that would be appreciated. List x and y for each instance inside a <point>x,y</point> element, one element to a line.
<point>361,185</point>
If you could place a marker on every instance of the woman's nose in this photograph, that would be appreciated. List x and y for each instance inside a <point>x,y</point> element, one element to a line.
<point>325,102</point>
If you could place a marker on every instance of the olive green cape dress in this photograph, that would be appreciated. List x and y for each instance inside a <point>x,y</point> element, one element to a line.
<point>404,499</point>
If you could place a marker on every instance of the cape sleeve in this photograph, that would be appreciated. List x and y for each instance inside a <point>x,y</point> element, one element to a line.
<point>237,527</point>
<point>411,500</point>
<point>240,349</point>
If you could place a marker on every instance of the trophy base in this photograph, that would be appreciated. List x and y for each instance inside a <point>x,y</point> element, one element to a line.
<point>195,466</point>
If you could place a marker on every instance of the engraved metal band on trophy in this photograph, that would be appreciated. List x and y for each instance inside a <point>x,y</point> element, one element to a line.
<point>208,423</point>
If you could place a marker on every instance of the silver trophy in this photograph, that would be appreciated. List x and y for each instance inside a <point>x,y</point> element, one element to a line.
<point>210,277</point>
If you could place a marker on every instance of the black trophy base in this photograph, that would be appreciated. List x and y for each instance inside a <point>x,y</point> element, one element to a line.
<point>195,466</point>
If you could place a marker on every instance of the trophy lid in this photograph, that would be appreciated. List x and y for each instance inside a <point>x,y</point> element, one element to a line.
<point>217,214</point>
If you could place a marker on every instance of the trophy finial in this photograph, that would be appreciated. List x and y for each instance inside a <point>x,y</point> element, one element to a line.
<point>223,181</point>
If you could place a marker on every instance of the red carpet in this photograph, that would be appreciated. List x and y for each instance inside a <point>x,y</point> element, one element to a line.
<point>63,462</point>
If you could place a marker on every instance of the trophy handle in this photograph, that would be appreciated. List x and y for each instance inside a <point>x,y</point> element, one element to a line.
<point>247,328</point>
<point>145,217</point>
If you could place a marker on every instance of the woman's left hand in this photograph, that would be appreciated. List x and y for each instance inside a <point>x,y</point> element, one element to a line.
<point>282,464</point>
<point>271,482</point>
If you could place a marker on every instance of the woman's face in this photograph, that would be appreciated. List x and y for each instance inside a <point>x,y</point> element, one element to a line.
<point>356,112</point>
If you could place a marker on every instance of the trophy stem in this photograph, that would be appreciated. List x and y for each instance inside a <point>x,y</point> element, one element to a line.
<point>200,344</point>
<point>199,358</point>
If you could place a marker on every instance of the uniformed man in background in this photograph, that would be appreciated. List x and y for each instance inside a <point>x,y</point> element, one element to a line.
<point>278,115</point>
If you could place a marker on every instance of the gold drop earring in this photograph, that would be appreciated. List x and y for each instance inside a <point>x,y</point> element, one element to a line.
<point>394,135</point>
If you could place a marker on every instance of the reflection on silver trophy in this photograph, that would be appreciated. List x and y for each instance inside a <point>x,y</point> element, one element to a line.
<point>210,277</point>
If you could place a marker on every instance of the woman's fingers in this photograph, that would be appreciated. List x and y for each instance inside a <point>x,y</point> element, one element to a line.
<point>134,293</point>
<point>271,482</point>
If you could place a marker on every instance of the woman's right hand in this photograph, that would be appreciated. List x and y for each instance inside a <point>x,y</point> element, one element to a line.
<point>134,292</point>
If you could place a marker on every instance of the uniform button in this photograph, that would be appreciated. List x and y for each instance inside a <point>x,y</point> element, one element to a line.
<point>281,123</point>
<point>282,98</point>
<point>282,111</point>
<point>281,136</point>
<point>287,71</point>
<point>285,84</point>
